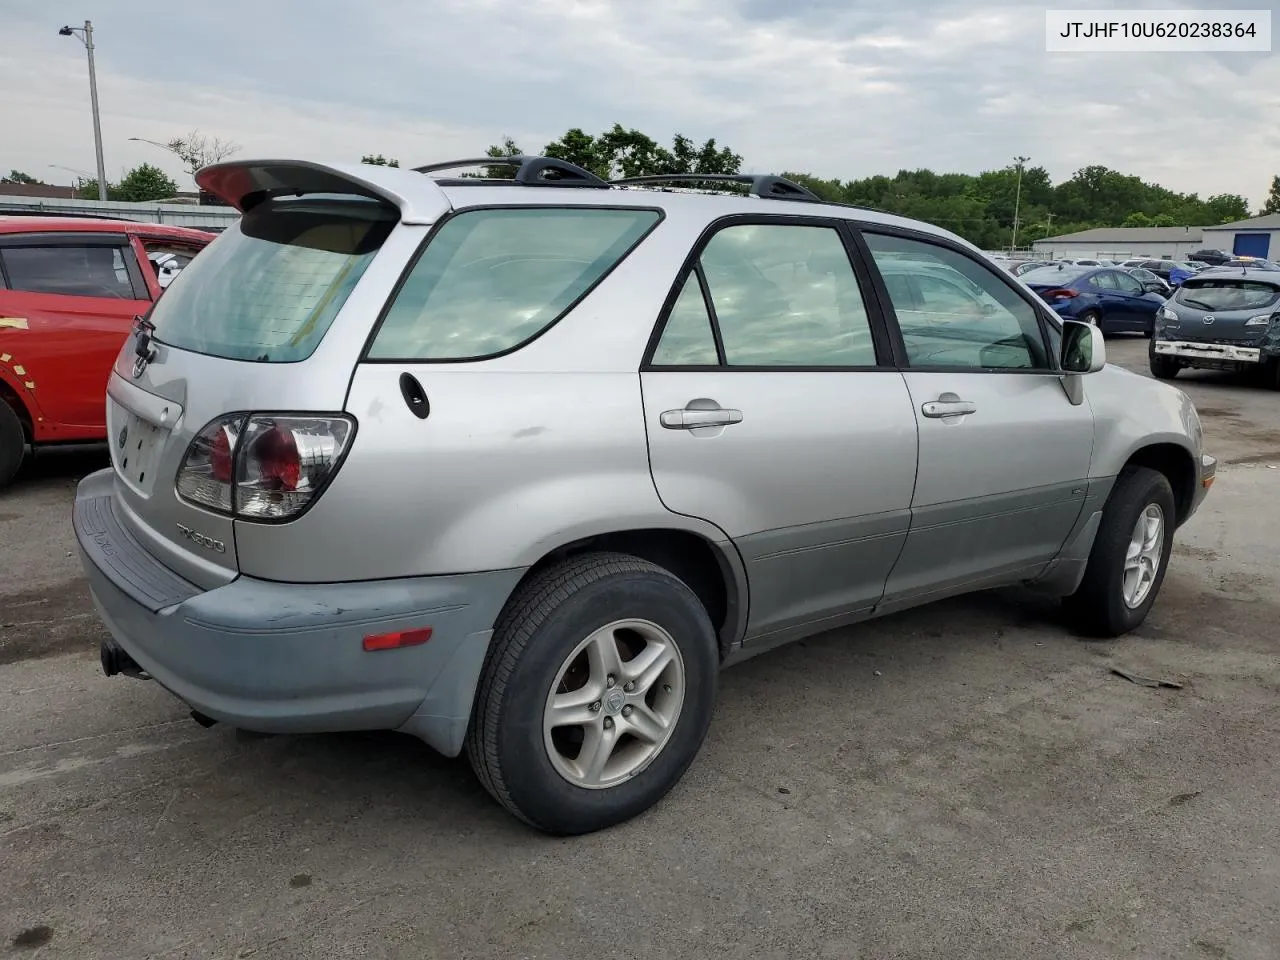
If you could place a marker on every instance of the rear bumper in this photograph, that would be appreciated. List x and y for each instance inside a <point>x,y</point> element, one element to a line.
<point>288,657</point>
<point>1217,352</point>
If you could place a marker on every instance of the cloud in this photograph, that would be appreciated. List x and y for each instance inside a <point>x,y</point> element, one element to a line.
<point>814,85</point>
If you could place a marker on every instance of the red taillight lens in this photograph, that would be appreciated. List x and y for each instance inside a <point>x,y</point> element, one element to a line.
<point>220,457</point>
<point>1062,293</point>
<point>263,467</point>
<point>275,453</point>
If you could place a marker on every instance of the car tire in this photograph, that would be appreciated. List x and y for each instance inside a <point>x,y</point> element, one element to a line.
<point>1091,317</point>
<point>1271,374</point>
<point>13,444</point>
<point>1101,606</point>
<point>1163,368</point>
<point>513,745</point>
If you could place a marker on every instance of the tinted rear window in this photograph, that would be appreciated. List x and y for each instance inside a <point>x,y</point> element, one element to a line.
<point>1052,275</point>
<point>492,279</point>
<point>1224,294</point>
<point>269,287</point>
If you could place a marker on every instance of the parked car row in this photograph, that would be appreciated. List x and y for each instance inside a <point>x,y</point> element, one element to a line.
<point>70,289</point>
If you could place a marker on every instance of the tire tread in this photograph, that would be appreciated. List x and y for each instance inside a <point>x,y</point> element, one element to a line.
<point>534,601</point>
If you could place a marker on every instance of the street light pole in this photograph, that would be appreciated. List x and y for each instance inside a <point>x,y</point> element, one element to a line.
<point>85,35</point>
<point>1017,199</point>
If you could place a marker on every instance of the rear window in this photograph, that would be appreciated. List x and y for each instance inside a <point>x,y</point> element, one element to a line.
<point>270,286</point>
<point>490,280</point>
<point>1224,294</point>
<point>1043,276</point>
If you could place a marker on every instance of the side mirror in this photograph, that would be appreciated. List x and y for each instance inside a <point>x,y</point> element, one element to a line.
<point>1083,348</point>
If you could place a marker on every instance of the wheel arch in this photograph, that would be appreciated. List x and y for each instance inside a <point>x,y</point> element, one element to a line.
<point>10,395</point>
<point>712,569</point>
<point>1179,468</point>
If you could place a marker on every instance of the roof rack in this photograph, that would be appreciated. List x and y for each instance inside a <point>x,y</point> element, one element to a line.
<point>764,186</point>
<point>530,171</point>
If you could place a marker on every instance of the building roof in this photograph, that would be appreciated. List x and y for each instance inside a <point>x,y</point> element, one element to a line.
<point>36,190</point>
<point>1269,222</point>
<point>1121,235</point>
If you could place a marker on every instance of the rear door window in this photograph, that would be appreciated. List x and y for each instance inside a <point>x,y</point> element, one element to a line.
<point>93,270</point>
<point>492,279</point>
<point>270,286</point>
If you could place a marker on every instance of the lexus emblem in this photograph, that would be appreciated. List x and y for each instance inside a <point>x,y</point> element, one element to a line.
<point>1208,318</point>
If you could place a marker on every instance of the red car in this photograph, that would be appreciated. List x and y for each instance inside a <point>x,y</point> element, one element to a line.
<point>69,290</point>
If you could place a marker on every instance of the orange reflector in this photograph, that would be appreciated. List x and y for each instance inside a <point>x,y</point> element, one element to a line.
<point>1208,482</point>
<point>391,641</point>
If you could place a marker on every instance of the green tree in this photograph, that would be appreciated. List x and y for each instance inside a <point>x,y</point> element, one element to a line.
<point>88,190</point>
<point>619,152</point>
<point>141,184</point>
<point>379,160</point>
<point>1273,198</point>
<point>17,176</point>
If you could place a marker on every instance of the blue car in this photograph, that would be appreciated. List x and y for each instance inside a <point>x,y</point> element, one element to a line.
<point>1113,300</point>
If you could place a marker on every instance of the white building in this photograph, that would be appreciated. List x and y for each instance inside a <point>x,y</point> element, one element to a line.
<point>1122,243</point>
<point>1256,237</point>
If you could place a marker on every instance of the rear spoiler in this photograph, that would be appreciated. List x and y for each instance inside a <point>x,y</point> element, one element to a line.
<point>245,183</point>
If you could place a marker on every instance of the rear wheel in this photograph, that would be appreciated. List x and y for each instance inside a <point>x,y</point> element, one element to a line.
<point>1092,317</point>
<point>596,694</point>
<point>1129,557</point>
<point>13,444</point>
<point>1163,368</point>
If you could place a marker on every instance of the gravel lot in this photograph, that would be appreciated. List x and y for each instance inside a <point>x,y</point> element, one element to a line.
<point>966,780</point>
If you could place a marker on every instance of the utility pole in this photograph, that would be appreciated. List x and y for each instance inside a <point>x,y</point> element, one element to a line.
<point>85,35</point>
<point>1017,199</point>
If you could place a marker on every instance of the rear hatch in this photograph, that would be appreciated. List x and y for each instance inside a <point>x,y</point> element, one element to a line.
<point>1230,308</point>
<point>226,400</point>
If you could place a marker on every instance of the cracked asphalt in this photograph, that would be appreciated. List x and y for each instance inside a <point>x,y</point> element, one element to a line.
<point>962,781</point>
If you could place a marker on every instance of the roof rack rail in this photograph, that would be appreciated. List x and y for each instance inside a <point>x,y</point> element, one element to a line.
<point>530,171</point>
<point>764,186</point>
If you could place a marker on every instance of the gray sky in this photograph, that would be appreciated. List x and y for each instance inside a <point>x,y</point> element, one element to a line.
<point>837,88</point>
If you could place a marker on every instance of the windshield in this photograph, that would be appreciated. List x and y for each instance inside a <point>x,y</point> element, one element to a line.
<point>1225,294</point>
<point>269,287</point>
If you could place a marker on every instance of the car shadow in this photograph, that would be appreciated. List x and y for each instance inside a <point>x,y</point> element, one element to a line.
<point>59,466</point>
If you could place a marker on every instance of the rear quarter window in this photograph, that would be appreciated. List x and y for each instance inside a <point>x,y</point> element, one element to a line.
<point>490,280</point>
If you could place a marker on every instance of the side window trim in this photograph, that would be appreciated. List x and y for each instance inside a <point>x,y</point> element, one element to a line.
<point>881,337</point>
<point>710,305</point>
<point>858,227</point>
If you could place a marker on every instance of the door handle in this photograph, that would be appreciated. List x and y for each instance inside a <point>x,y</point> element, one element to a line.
<point>691,419</point>
<point>948,408</point>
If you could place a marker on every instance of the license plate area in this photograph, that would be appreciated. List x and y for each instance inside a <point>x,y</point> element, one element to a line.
<point>135,449</point>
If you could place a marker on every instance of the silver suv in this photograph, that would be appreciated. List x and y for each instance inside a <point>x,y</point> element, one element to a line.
<point>518,465</point>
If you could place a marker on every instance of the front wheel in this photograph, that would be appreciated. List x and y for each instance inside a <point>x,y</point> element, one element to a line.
<point>1130,554</point>
<point>596,695</point>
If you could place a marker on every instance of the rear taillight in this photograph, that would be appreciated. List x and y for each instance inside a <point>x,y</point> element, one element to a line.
<point>1061,293</point>
<point>207,470</point>
<point>263,467</point>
